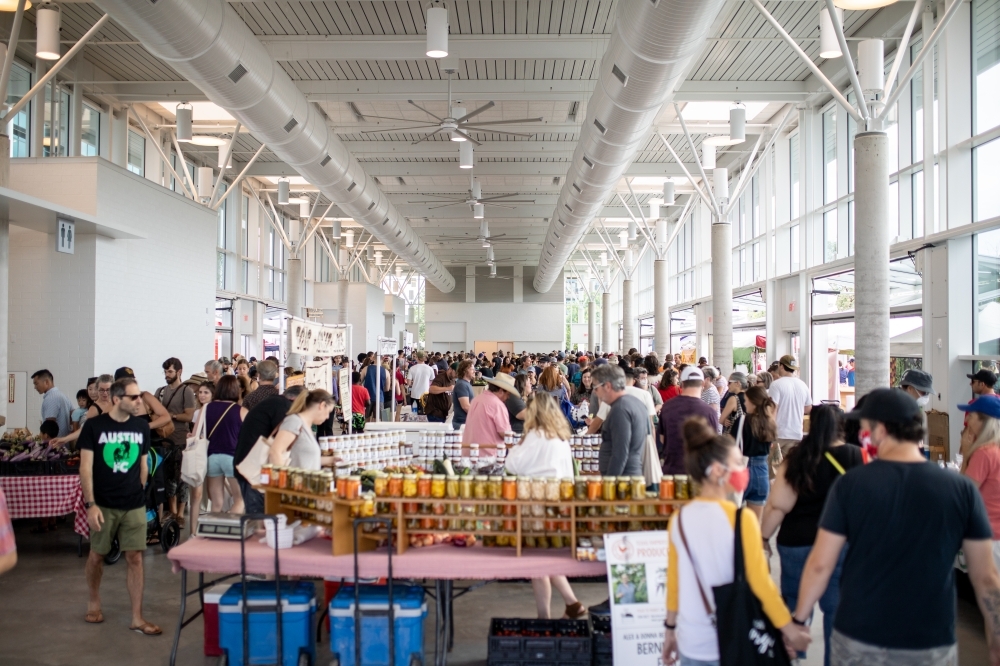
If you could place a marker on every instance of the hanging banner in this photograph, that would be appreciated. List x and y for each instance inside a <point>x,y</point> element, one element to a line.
<point>387,346</point>
<point>301,336</point>
<point>338,342</point>
<point>345,392</point>
<point>319,375</point>
<point>637,582</point>
<point>324,341</point>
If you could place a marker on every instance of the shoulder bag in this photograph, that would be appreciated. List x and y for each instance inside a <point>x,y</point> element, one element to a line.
<point>249,467</point>
<point>164,432</point>
<point>651,467</point>
<point>194,464</point>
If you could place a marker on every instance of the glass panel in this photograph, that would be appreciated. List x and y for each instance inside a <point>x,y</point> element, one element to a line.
<point>987,275</point>
<point>220,270</point>
<point>852,130</point>
<point>830,235</point>
<point>850,228</point>
<point>793,247</point>
<point>20,128</point>
<point>985,61</point>
<point>793,170</point>
<point>682,320</point>
<point>918,205</point>
<point>136,153</point>
<point>755,205</point>
<point>749,309</point>
<point>221,240</point>
<point>244,224</point>
<point>835,293</point>
<point>916,110</point>
<point>757,274</point>
<point>830,155</point>
<point>986,167</point>
<point>246,276</point>
<point>893,210</point>
<point>90,135</point>
<point>892,129</point>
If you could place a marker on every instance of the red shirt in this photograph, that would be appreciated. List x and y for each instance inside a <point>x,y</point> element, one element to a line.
<point>984,470</point>
<point>359,396</point>
<point>669,392</point>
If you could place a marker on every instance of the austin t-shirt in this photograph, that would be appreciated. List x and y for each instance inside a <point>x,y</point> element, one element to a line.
<point>118,448</point>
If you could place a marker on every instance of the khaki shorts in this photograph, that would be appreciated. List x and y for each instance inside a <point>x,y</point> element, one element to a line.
<point>128,525</point>
<point>846,651</point>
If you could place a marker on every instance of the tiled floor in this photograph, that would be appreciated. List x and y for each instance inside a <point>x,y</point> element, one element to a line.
<point>42,603</point>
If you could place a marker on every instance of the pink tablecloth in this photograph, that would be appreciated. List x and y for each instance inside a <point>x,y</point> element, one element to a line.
<point>45,497</point>
<point>313,559</point>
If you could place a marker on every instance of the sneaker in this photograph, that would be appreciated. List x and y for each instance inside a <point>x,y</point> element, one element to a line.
<point>603,608</point>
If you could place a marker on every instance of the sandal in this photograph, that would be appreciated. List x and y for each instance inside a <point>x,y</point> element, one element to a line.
<point>147,629</point>
<point>94,617</point>
<point>575,611</point>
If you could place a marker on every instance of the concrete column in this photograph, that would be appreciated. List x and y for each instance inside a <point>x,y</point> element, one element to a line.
<point>119,138</point>
<point>628,316</point>
<point>294,285</point>
<point>342,284</point>
<point>871,259</point>
<point>661,310</point>
<point>38,113</point>
<point>591,325</point>
<point>722,295</point>
<point>4,274</point>
<point>76,121</point>
<point>608,340</point>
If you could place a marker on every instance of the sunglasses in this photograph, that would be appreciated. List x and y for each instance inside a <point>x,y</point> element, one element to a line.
<point>132,397</point>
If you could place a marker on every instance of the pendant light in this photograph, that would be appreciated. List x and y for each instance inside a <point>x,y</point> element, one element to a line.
<point>668,193</point>
<point>336,230</point>
<point>863,4</point>
<point>829,45</point>
<point>871,65</point>
<point>437,31</point>
<point>604,258</point>
<point>654,209</point>
<point>205,182</point>
<point>305,208</point>
<point>349,237</point>
<point>11,5</point>
<point>721,177</point>
<point>47,31</point>
<point>465,155</point>
<point>225,157</point>
<point>457,112</point>
<point>628,258</point>
<point>737,124</point>
<point>623,238</point>
<point>370,253</point>
<point>378,257</point>
<point>707,155</point>
<point>478,211</point>
<point>399,271</point>
<point>282,191</point>
<point>184,115</point>
<point>632,230</point>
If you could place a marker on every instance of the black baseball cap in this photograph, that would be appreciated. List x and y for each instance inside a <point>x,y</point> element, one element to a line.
<point>124,372</point>
<point>984,376</point>
<point>887,405</point>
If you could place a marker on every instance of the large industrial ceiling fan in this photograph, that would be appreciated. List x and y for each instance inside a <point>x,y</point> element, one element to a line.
<point>457,124</point>
<point>475,200</point>
<point>484,237</point>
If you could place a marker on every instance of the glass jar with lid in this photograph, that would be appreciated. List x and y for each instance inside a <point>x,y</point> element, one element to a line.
<point>609,488</point>
<point>638,487</point>
<point>538,488</point>
<point>479,487</point>
<point>353,487</point>
<point>509,490</point>
<point>451,487</point>
<point>409,485</point>
<point>594,485</point>
<point>565,489</point>
<point>494,488</point>
<point>682,489</point>
<point>524,488</point>
<point>552,489</point>
<point>667,487</point>
<point>437,486</point>
<point>395,485</point>
<point>423,485</point>
<point>465,487</point>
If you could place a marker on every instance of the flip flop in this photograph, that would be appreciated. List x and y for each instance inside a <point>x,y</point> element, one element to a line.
<point>94,617</point>
<point>147,629</point>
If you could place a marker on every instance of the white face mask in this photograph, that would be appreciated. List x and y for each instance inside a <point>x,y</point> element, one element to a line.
<point>924,400</point>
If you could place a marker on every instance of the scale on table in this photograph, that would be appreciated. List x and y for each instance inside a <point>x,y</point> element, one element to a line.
<point>224,526</point>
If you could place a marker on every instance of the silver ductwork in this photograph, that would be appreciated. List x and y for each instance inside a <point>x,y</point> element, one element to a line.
<point>208,43</point>
<point>649,51</point>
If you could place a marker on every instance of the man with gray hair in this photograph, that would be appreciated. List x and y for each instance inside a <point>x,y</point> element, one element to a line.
<point>623,434</point>
<point>267,374</point>
<point>710,394</point>
<point>213,371</point>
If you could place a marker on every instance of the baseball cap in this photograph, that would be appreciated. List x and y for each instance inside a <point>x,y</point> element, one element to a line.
<point>984,376</point>
<point>789,362</point>
<point>984,404</point>
<point>887,405</point>
<point>123,372</point>
<point>691,373</point>
<point>918,379</point>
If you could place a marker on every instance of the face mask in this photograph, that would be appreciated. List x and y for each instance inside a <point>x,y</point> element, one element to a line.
<point>740,480</point>
<point>865,439</point>
<point>924,400</point>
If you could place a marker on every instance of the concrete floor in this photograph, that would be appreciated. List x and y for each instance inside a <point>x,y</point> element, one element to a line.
<point>43,600</point>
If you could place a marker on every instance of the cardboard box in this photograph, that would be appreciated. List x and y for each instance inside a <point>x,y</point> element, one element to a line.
<point>938,440</point>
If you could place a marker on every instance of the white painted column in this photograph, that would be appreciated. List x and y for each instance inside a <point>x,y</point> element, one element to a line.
<point>608,341</point>
<point>76,121</point>
<point>38,113</point>
<point>591,325</point>
<point>871,259</point>
<point>119,138</point>
<point>722,295</point>
<point>927,80</point>
<point>628,316</point>
<point>342,285</point>
<point>470,284</point>
<point>4,273</point>
<point>661,310</point>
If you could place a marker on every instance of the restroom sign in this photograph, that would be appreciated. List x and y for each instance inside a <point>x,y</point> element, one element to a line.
<point>66,236</point>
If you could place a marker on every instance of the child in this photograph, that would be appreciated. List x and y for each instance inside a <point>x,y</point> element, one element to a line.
<point>77,415</point>
<point>47,431</point>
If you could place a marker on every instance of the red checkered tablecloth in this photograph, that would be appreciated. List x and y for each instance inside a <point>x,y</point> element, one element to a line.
<point>46,496</point>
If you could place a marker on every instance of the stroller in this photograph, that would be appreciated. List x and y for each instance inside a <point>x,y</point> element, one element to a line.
<point>167,531</point>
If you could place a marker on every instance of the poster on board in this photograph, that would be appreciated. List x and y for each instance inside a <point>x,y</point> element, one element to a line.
<point>345,392</point>
<point>323,345</point>
<point>338,342</point>
<point>301,336</point>
<point>637,582</point>
<point>319,375</point>
<point>387,346</point>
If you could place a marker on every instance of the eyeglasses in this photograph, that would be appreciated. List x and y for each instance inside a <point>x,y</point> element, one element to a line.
<point>138,396</point>
<point>104,391</point>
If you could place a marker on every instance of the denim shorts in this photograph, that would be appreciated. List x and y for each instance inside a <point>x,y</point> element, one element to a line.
<point>759,487</point>
<point>220,464</point>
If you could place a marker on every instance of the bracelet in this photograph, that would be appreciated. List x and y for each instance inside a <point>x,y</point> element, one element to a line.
<point>796,621</point>
<point>669,626</point>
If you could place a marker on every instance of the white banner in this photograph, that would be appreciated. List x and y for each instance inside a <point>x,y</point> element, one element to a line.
<point>345,392</point>
<point>319,375</point>
<point>387,346</point>
<point>301,336</point>
<point>324,341</point>
<point>338,342</point>
<point>637,581</point>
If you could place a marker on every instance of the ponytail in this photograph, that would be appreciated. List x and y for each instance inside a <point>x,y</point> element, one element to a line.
<point>307,399</point>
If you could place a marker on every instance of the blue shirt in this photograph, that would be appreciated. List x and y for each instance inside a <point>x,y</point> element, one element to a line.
<point>58,408</point>
<point>463,389</point>
<point>369,383</point>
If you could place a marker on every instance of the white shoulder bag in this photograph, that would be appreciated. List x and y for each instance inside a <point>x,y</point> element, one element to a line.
<point>194,463</point>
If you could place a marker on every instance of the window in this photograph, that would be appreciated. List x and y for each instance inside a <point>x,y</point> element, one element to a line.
<point>755,205</point>
<point>917,229</point>
<point>986,267</point>
<point>90,135</point>
<point>56,128</point>
<point>893,210</point>
<point>222,236</point>
<point>986,173</point>
<point>136,153</point>
<point>985,61</point>
<point>220,272</point>
<point>830,235</point>
<point>916,110</point>
<point>244,224</point>
<point>830,155</point>
<point>793,170</point>
<point>793,247</point>
<point>19,129</point>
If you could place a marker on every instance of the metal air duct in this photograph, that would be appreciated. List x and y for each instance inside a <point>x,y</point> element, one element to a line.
<point>649,51</point>
<point>208,43</point>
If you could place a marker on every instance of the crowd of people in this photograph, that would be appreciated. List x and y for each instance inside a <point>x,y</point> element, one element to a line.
<point>866,527</point>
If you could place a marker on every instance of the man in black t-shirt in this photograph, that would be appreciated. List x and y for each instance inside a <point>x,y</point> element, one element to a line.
<point>904,519</point>
<point>260,421</point>
<point>113,473</point>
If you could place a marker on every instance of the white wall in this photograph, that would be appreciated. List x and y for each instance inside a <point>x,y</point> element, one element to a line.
<point>530,326</point>
<point>114,302</point>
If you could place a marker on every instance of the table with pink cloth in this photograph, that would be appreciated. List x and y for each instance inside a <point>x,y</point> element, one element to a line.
<point>46,497</point>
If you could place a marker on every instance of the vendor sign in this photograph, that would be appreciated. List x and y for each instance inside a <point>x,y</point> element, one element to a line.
<point>637,582</point>
<point>319,375</point>
<point>301,336</point>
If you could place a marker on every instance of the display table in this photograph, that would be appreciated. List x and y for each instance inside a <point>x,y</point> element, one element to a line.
<point>443,564</point>
<point>46,497</point>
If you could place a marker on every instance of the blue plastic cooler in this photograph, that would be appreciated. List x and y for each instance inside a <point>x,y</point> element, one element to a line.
<point>410,612</point>
<point>298,612</point>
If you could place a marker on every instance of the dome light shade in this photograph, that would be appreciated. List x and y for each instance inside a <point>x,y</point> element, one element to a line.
<point>829,46</point>
<point>336,230</point>
<point>47,31</point>
<point>184,115</point>
<point>208,140</point>
<point>863,4</point>
<point>11,5</point>
<point>668,193</point>
<point>282,191</point>
<point>465,155</point>
<point>437,32</point>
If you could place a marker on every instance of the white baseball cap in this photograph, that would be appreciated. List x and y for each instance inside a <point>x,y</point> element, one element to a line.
<point>691,373</point>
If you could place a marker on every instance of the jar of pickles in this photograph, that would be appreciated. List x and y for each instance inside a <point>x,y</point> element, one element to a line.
<point>594,485</point>
<point>623,488</point>
<point>437,486</point>
<point>494,488</point>
<point>409,485</point>
<point>580,489</point>
<point>552,489</point>
<point>566,490</point>
<point>682,489</point>
<point>465,487</point>
<point>395,485</point>
<point>609,488</point>
<point>297,479</point>
<point>523,488</point>
<point>353,487</point>
<point>667,487</point>
<point>638,487</point>
<point>265,474</point>
<point>538,489</point>
<point>479,487</point>
<point>509,490</point>
<point>381,484</point>
<point>423,485</point>
<point>451,487</point>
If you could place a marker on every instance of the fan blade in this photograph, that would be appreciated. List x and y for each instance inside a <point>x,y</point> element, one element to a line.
<point>397,129</point>
<point>488,130</point>
<point>457,203</point>
<point>502,122</point>
<point>504,196</point>
<point>501,206</point>
<point>405,120</point>
<point>440,119</point>
<point>427,136</point>
<point>468,138</point>
<point>484,107</point>
<point>437,201</point>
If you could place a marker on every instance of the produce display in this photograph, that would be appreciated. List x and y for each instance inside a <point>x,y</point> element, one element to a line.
<point>18,446</point>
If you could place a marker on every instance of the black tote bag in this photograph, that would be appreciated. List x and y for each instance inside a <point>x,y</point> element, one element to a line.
<point>746,635</point>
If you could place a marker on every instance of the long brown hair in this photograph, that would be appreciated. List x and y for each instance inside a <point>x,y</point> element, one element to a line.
<point>550,378</point>
<point>762,421</point>
<point>545,415</point>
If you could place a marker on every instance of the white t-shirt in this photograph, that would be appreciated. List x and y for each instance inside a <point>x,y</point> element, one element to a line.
<point>538,455</point>
<point>635,392</point>
<point>791,395</point>
<point>420,377</point>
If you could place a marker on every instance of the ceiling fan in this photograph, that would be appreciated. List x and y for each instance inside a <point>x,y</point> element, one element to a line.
<point>475,200</point>
<point>484,237</point>
<point>457,124</point>
<point>491,262</point>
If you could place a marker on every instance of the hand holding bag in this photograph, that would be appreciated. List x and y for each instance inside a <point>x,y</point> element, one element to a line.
<point>249,467</point>
<point>194,464</point>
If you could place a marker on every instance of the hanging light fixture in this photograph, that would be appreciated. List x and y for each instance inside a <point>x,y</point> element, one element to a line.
<point>437,31</point>
<point>457,112</point>
<point>225,157</point>
<point>282,191</point>
<point>863,4</point>
<point>654,209</point>
<point>478,211</point>
<point>378,257</point>
<point>623,238</point>
<point>47,31</point>
<point>184,113</point>
<point>632,230</point>
<point>349,237</point>
<point>668,193</point>
<point>721,177</point>
<point>871,65</point>
<point>465,155</point>
<point>737,124</point>
<point>370,253</point>
<point>11,5</point>
<point>707,155</point>
<point>628,258</point>
<point>304,209</point>
<point>205,182</point>
<point>489,255</point>
<point>335,230</point>
<point>207,140</point>
<point>604,258</point>
<point>399,271</point>
<point>829,45</point>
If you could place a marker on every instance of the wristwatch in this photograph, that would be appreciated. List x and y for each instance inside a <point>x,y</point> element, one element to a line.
<point>87,505</point>
<point>796,621</point>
